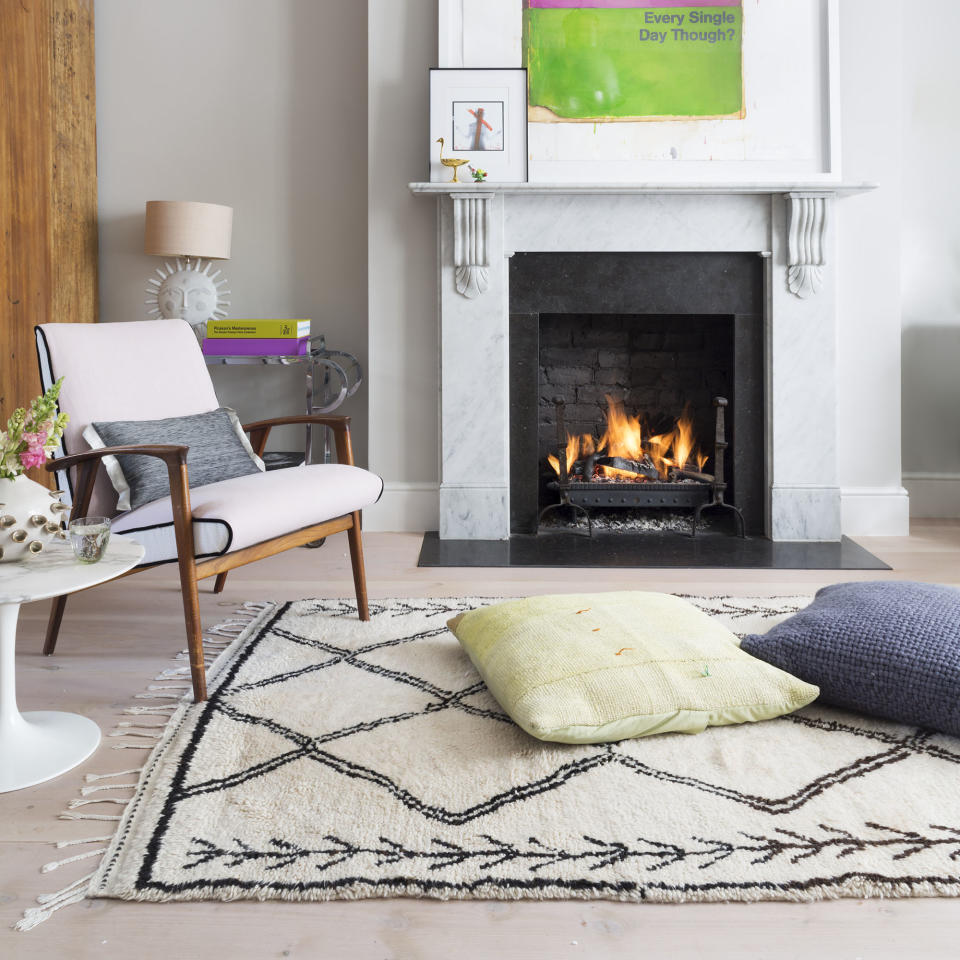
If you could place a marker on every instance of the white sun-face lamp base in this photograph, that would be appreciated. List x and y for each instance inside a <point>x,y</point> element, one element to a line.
<point>187,289</point>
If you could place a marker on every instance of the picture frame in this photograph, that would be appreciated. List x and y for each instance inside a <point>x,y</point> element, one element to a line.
<point>481,114</point>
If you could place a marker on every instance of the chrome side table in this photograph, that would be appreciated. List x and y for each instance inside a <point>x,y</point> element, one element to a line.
<point>331,376</point>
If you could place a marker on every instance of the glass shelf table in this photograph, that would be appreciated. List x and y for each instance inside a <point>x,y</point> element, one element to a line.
<point>331,376</point>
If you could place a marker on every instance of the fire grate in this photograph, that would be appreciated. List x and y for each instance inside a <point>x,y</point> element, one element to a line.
<point>688,490</point>
<point>690,494</point>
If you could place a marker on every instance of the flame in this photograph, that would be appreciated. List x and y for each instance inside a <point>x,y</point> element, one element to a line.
<point>624,437</point>
<point>683,439</point>
<point>575,446</point>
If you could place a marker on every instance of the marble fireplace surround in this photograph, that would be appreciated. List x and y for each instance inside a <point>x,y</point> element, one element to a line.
<point>791,225</point>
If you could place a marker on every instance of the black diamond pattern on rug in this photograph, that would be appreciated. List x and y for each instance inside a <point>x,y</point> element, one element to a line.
<point>339,759</point>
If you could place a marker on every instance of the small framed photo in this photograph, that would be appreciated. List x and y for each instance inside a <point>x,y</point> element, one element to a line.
<point>481,116</point>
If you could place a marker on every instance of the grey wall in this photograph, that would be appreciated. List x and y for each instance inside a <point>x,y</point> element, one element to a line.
<point>403,267</point>
<point>261,105</point>
<point>930,241</point>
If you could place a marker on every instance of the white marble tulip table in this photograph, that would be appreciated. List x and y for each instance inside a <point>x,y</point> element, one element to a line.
<point>42,744</point>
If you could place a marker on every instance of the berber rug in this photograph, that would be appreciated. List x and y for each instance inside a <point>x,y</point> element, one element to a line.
<point>338,760</point>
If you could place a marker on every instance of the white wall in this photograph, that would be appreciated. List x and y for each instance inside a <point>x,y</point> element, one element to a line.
<point>261,105</point>
<point>872,499</point>
<point>403,267</point>
<point>931,260</point>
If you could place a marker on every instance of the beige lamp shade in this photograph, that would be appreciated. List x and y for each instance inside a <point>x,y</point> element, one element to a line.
<point>184,228</point>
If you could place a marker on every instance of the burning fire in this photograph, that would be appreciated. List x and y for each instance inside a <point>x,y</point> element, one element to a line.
<point>625,437</point>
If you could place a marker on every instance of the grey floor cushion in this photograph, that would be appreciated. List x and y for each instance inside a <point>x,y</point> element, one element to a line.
<point>888,648</point>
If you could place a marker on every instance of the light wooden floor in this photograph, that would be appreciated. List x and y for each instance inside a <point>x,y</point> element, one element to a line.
<point>116,637</point>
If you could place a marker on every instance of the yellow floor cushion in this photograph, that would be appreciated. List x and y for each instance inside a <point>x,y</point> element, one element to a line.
<point>598,667</point>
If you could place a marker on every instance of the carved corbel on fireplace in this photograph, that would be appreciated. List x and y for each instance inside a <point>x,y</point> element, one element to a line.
<point>806,227</point>
<point>471,248</point>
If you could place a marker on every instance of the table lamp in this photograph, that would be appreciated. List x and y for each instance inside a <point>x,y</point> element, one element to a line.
<point>185,288</point>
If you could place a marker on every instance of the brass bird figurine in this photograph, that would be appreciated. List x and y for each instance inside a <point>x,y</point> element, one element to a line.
<point>453,162</point>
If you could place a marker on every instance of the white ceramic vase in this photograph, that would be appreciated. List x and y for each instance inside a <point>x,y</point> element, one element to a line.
<point>30,515</point>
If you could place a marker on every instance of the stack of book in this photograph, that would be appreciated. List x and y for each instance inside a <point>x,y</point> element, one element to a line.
<point>257,338</point>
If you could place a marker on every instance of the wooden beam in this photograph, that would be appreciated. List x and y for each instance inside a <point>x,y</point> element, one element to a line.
<point>48,183</point>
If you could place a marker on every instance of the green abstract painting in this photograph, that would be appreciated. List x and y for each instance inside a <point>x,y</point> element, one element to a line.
<point>617,60</point>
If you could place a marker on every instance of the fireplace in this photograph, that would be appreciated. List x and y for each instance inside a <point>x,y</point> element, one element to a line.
<point>768,260</point>
<point>633,351</point>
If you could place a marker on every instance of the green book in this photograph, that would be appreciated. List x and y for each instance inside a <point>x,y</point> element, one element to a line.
<point>258,329</point>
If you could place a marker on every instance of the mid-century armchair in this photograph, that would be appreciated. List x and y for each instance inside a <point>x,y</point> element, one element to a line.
<point>152,370</point>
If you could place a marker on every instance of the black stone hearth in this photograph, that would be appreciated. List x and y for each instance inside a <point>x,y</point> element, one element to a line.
<point>670,550</point>
<point>657,331</point>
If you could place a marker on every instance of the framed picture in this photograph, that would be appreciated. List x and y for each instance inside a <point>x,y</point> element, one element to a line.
<point>630,60</point>
<point>481,116</point>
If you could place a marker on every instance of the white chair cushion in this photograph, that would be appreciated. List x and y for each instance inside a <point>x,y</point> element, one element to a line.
<point>238,513</point>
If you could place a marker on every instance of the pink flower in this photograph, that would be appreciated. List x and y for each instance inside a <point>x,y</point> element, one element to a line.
<point>33,458</point>
<point>35,441</point>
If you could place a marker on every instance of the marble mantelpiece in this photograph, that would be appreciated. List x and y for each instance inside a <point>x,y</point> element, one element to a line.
<point>789,224</point>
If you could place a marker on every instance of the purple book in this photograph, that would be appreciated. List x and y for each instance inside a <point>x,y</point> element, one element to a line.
<point>253,347</point>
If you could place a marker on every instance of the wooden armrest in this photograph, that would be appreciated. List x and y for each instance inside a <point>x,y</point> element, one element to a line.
<point>172,454</point>
<point>168,452</point>
<point>340,426</point>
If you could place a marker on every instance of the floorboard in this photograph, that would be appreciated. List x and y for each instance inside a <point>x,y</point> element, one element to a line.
<point>116,637</point>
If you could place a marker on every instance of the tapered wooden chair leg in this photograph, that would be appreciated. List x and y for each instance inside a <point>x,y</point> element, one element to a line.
<point>220,582</point>
<point>356,561</point>
<point>53,624</point>
<point>191,616</point>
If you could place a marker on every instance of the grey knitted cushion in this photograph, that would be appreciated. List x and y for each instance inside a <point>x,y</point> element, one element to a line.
<point>219,450</point>
<point>890,648</point>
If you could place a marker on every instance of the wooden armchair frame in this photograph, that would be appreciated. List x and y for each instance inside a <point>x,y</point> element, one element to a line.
<point>193,570</point>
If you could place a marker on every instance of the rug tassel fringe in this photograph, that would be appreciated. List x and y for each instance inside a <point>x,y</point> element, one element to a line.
<point>85,791</point>
<point>229,630</point>
<point>167,686</point>
<point>175,673</point>
<point>51,902</point>
<point>60,844</point>
<point>88,816</point>
<point>90,777</point>
<point>56,864</point>
<point>73,804</point>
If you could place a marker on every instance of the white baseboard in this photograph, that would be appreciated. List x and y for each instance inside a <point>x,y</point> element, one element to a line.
<point>933,494</point>
<point>404,508</point>
<point>875,511</point>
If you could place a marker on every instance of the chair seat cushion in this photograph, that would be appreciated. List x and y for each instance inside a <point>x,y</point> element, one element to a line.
<point>237,513</point>
<point>593,668</point>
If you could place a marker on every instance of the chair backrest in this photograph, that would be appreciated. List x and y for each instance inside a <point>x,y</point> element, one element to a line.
<point>141,370</point>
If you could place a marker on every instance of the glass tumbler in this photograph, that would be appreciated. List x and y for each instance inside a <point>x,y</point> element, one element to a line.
<point>89,537</point>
